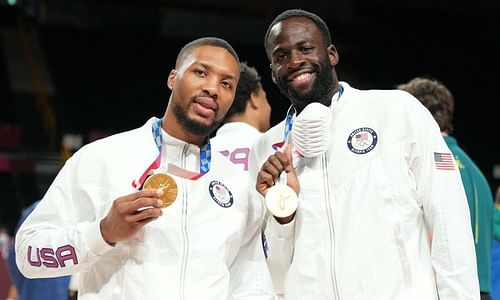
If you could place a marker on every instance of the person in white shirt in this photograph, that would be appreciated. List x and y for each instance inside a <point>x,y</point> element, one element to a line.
<point>123,239</point>
<point>248,117</point>
<point>373,177</point>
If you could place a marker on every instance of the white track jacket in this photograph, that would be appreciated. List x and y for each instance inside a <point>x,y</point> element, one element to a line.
<point>206,245</point>
<point>382,214</point>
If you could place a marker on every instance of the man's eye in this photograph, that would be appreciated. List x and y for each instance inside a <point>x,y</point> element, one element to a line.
<point>227,84</point>
<point>199,72</point>
<point>280,57</point>
<point>306,49</point>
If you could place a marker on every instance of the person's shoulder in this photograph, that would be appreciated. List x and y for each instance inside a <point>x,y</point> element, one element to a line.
<point>108,147</point>
<point>273,132</point>
<point>395,96</point>
<point>127,134</point>
<point>393,100</point>
<point>272,136</point>
<point>392,106</point>
<point>120,138</point>
<point>265,144</point>
<point>234,135</point>
<point>222,165</point>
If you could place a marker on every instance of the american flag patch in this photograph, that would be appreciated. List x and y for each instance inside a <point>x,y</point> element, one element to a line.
<point>443,161</point>
<point>362,137</point>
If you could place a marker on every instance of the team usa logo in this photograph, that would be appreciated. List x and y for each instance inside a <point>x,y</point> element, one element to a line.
<point>362,140</point>
<point>52,258</point>
<point>220,194</point>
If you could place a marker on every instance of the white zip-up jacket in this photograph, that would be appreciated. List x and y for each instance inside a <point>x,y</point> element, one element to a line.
<point>206,245</point>
<point>382,214</point>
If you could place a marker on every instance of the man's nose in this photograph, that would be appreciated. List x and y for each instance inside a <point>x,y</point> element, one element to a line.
<point>211,87</point>
<point>297,59</point>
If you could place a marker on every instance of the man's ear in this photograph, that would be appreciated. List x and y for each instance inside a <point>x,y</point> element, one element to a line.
<point>273,77</point>
<point>253,102</point>
<point>332,55</point>
<point>171,79</point>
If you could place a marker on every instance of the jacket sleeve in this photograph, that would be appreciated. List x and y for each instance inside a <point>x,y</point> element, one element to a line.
<point>445,212</point>
<point>62,235</point>
<point>278,239</point>
<point>250,277</point>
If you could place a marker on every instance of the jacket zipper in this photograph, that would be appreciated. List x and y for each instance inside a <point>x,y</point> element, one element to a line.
<point>326,186</point>
<point>185,239</point>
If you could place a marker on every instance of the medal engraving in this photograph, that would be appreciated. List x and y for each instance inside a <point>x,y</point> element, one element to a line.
<point>281,200</point>
<point>166,183</point>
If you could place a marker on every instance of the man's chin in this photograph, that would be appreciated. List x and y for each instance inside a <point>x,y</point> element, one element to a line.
<point>201,128</point>
<point>195,124</point>
<point>303,96</point>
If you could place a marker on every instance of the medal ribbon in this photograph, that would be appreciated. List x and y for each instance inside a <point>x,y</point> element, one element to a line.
<point>288,124</point>
<point>205,159</point>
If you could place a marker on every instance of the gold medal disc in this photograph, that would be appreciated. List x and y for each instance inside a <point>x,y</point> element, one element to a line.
<point>281,200</point>
<point>166,183</point>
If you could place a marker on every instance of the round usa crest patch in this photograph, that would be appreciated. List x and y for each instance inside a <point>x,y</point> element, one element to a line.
<point>362,140</point>
<point>220,194</point>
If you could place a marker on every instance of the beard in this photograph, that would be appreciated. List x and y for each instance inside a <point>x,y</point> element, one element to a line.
<point>319,91</point>
<point>192,126</point>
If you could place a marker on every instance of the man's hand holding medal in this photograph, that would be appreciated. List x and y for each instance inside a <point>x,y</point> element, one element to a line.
<point>281,197</point>
<point>130,213</point>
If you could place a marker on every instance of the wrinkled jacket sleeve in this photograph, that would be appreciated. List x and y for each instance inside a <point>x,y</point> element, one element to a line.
<point>281,244</point>
<point>278,240</point>
<point>446,213</point>
<point>250,277</point>
<point>56,239</point>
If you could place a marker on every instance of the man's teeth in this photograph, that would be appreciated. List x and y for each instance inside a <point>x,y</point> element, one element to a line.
<point>302,76</point>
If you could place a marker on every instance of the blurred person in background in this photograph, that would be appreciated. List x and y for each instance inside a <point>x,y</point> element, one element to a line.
<point>5,283</point>
<point>495,252</point>
<point>248,117</point>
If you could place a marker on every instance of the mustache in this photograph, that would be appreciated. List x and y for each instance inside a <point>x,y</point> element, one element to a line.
<point>315,67</point>
<point>204,94</point>
<point>201,98</point>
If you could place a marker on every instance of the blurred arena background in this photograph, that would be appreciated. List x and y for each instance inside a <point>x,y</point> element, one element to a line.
<point>74,71</point>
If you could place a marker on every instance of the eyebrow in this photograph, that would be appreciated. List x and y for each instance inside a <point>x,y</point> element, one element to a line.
<point>206,66</point>
<point>299,43</point>
<point>277,50</point>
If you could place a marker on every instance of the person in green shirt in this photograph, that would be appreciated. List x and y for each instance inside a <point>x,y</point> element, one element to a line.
<point>497,218</point>
<point>439,101</point>
<point>495,252</point>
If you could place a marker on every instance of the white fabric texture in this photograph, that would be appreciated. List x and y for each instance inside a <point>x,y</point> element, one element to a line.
<point>196,250</point>
<point>368,206</point>
<point>311,130</point>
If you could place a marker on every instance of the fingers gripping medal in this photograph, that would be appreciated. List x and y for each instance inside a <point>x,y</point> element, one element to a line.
<point>166,183</point>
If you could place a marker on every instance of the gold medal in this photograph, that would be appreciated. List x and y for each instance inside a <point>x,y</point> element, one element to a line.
<point>281,200</point>
<point>166,183</point>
